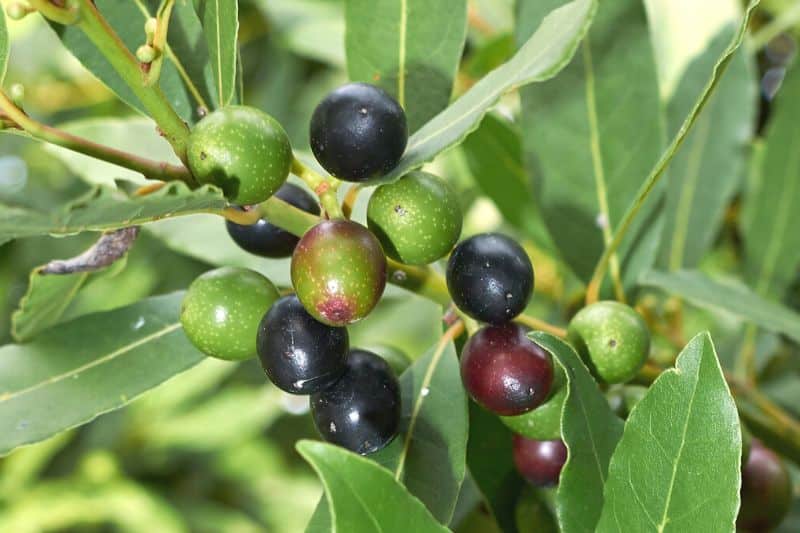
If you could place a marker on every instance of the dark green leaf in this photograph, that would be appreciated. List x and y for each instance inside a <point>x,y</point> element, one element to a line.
<point>363,496</point>
<point>771,241</point>
<point>587,157</point>
<point>429,455</point>
<point>89,366</point>
<point>677,466</point>
<point>494,156</point>
<point>103,208</point>
<point>547,51</point>
<point>410,48</point>
<point>727,297</point>
<point>590,431</point>
<point>707,171</point>
<point>220,20</point>
<point>491,465</point>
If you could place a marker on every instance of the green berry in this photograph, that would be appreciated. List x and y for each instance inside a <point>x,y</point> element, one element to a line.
<point>222,310</point>
<point>241,150</point>
<point>612,339</point>
<point>544,422</point>
<point>338,272</point>
<point>417,218</point>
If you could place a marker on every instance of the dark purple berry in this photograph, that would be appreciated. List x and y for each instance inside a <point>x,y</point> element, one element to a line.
<point>539,461</point>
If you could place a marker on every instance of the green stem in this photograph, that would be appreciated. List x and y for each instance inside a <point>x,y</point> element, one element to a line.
<point>424,281</point>
<point>155,170</point>
<point>593,290</point>
<point>324,188</point>
<point>103,36</point>
<point>775,27</point>
<point>163,15</point>
<point>66,15</point>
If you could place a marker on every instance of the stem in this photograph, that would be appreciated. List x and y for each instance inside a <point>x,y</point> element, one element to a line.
<point>159,42</point>
<point>541,325</point>
<point>67,15</point>
<point>103,36</point>
<point>324,188</point>
<point>745,368</point>
<point>150,169</point>
<point>775,27</point>
<point>350,200</point>
<point>593,290</point>
<point>424,281</point>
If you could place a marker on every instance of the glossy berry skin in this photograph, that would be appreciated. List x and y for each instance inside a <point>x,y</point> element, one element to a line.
<point>358,132</point>
<point>766,492</point>
<point>268,240</point>
<point>222,309</point>
<point>504,371</point>
<point>339,271</point>
<point>544,422</point>
<point>361,411</point>
<point>611,338</point>
<point>490,277</point>
<point>417,218</point>
<point>539,461</point>
<point>299,354</point>
<point>241,150</point>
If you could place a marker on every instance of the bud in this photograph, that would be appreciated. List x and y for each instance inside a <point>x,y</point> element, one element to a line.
<point>150,28</point>
<point>18,10</point>
<point>146,53</point>
<point>17,93</point>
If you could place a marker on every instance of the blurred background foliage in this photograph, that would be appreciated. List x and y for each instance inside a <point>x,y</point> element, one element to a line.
<point>212,449</point>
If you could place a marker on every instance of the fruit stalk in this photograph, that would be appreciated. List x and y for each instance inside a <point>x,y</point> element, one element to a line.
<point>66,15</point>
<point>324,188</point>
<point>103,36</point>
<point>155,170</point>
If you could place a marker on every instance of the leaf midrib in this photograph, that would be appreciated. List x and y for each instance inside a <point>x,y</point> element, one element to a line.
<point>401,60</point>
<point>95,362</point>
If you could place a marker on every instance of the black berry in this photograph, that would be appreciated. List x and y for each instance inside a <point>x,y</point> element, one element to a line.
<point>268,240</point>
<point>361,412</point>
<point>299,354</point>
<point>539,461</point>
<point>490,277</point>
<point>358,132</point>
<point>504,371</point>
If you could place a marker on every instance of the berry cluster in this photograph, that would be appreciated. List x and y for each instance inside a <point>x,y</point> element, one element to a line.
<point>339,271</point>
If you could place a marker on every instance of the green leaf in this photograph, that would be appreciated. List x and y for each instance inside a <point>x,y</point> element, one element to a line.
<point>89,366</point>
<point>771,242</point>
<point>4,46</point>
<point>706,173</point>
<point>429,454</point>
<point>677,466</point>
<point>103,208</point>
<point>310,28</point>
<point>587,157</point>
<point>727,297</point>
<point>363,496</point>
<point>45,302</point>
<point>494,155</point>
<point>590,430</point>
<point>410,48</point>
<point>205,238</point>
<point>221,24</point>
<point>491,465</point>
<point>127,19</point>
<point>540,58</point>
<point>136,135</point>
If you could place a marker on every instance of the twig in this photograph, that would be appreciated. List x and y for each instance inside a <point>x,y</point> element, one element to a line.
<point>111,247</point>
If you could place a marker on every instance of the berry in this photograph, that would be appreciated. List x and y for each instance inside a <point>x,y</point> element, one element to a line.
<point>544,422</point>
<point>299,354</point>
<point>221,311</point>
<point>539,461</point>
<point>417,218</point>
<point>241,150</point>
<point>396,357</point>
<point>268,240</point>
<point>504,371</point>
<point>339,271</point>
<point>490,278</point>
<point>358,132</point>
<point>766,491</point>
<point>361,412</point>
<point>612,339</point>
